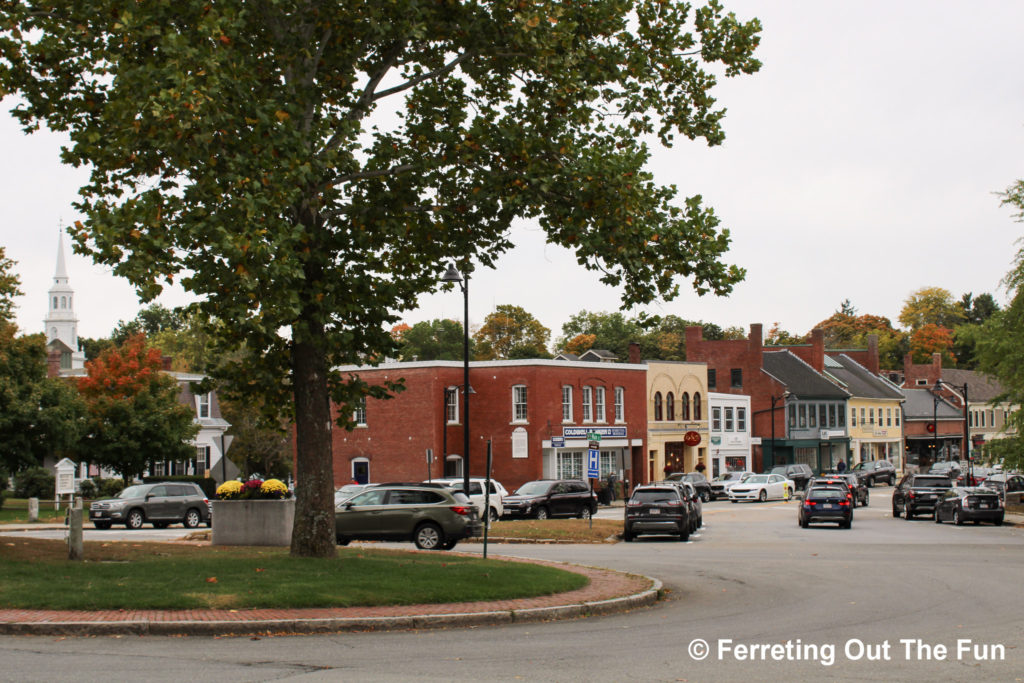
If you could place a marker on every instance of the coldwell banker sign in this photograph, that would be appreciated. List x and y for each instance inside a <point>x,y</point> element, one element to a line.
<point>603,432</point>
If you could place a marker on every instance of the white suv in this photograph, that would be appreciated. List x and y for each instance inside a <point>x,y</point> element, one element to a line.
<point>476,494</point>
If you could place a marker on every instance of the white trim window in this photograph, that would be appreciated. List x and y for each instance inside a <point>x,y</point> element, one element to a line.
<point>569,464</point>
<point>451,405</point>
<point>741,419</point>
<point>202,459</point>
<point>728,420</point>
<point>620,404</point>
<point>566,403</point>
<point>203,405</point>
<point>359,414</point>
<point>519,413</point>
<point>716,419</point>
<point>588,404</point>
<point>599,415</point>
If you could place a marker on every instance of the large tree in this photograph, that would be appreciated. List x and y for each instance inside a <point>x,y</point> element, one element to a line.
<point>244,147</point>
<point>931,306</point>
<point>511,332</point>
<point>439,339</point>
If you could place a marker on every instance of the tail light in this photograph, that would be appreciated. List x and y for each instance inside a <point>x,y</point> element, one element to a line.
<point>634,504</point>
<point>912,495</point>
<point>460,509</point>
<point>675,503</point>
<point>809,503</point>
<point>845,502</point>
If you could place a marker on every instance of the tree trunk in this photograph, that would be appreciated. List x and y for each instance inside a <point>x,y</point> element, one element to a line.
<point>313,532</point>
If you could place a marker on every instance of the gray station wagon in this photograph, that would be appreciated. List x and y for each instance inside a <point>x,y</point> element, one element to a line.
<point>160,504</point>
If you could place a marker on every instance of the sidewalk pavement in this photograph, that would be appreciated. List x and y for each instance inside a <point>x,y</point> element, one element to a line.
<point>607,592</point>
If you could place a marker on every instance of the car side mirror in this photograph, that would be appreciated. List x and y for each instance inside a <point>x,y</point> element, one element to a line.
<point>348,505</point>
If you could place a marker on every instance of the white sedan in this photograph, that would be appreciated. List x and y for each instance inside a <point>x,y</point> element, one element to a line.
<point>762,487</point>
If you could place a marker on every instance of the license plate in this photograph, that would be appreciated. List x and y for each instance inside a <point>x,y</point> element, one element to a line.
<point>94,514</point>
<point>655,511</point>
<point>983,506</point>
<point>827,506</point>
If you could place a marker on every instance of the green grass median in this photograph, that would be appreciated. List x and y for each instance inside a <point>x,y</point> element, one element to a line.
<point>125,575</point>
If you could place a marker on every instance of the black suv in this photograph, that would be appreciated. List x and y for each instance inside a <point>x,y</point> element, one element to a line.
<point>657,509</point>
<point>798,473</point>
<point>875,472</point>
<point>699,481</point>
<point>919,493</point>
<point>858,489</point>
<point>546,498</point>
<point>160,504</point>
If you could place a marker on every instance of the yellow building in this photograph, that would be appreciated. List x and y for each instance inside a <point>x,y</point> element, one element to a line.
<point>677,418</point>
<point>875,423</point>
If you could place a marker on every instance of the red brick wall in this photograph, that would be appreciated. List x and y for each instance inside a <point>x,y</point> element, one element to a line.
<point>399,430</point>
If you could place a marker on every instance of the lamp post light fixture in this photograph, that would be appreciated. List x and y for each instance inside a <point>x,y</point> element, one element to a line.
<point>453,275</point>
<point>967,427</point>
<point>776,399</point>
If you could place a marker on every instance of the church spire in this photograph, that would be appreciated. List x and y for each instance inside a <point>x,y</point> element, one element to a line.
<point>60,323</point>
<point>62,269</point>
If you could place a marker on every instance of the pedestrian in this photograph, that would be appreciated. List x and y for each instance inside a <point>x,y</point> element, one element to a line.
<point>700,467</point>
<point>841,467</point>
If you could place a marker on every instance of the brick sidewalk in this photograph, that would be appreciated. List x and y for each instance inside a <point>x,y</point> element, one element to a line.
<point>608,591</point>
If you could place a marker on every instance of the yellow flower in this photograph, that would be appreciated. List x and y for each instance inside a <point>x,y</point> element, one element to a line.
<point>229,489</point>
<point>274,488</point>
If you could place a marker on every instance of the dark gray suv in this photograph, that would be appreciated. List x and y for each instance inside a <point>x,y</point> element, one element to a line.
<point>546,498</point>
<point>160,504</point>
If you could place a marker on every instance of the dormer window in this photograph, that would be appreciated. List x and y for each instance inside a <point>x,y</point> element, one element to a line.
<point>203,405</point>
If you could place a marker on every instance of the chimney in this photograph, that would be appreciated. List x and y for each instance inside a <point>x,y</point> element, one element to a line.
<point>634,353</point>
<point>818,349</point>
<point>873,366</point>
<point>694,338</point>
<point>756,339</point>
<point>53,364</point>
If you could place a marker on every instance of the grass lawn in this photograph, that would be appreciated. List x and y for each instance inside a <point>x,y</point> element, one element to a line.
<point>576,530</point>
<point>37,575</point>
<point>15,511</point>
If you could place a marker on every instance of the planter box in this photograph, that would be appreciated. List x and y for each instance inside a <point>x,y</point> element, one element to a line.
<point>253,522</point>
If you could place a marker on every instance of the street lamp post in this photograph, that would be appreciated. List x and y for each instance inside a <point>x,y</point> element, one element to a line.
<point>452,275</point>
<point>776,399</point>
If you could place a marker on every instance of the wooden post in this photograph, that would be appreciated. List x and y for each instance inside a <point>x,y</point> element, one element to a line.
<point>75,530</point>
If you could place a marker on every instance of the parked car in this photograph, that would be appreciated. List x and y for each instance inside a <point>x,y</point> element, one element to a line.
<point>160,504</point>
<point>476,494</point>
<point>858,489</point>
<point>874,472</point>
<point>918,493</point>
<point>798,473</point>
<point>347,491</point>
<point>720,485</point>
<point>690,498</point>
<point>699,481</point>
<point>951,468</point>
<point>432,517</point>
<point>969,504</point>
<point>657,509</point>
<point>826,504</point>
<point>762,487</point>
<point>1004,483</point>
<point>544,498</point>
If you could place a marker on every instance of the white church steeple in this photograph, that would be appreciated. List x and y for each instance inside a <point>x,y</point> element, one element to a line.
<point>60,321</point>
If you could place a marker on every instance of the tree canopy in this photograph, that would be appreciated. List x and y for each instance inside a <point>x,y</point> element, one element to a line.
<point>931,306</point>
<point>511,332</point>
<point>439,339</point>
<point>302,166</point>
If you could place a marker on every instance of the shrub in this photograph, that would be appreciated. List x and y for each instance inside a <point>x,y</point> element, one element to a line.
<point>87,488</point>
<point>274,489</point>
<point>229,490</point>
<point>253,489</point>
<point>109,488</point>
<point>35,482</point>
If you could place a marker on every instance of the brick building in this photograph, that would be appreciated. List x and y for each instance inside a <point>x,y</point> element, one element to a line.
<point>536,414</point>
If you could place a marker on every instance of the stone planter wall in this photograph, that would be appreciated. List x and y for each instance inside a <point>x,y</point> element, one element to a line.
<point>253,522</point>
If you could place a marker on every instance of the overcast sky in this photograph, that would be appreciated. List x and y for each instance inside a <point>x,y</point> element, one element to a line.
<point>860,163</point>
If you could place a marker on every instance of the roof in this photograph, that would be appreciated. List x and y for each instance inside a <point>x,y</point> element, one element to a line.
<point>858,380</point>
<point>980,387</point>
<point>598,356</point>
<point>920,405</point>
<point>800,379</point>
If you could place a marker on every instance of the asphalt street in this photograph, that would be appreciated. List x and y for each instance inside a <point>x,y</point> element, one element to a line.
<point>888,600</point>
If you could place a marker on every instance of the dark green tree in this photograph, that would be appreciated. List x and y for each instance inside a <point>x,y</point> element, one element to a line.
<point>235,145</point>
<point>612,331</point>
<point>150,321</point>
<point>433,340</point>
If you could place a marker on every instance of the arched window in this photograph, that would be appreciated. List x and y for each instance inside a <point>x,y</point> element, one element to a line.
<point>657,406</point>
<point>697,412</point>
<point>684,408</point>
<point>63,302</point>
<point>670,406</point>
<point>55,303</point>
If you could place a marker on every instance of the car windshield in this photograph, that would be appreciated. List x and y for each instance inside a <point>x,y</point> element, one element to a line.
<point>778,470</point>
<point>826,494</point>
<point>655,496</point>
<point>133,492</point>
<point>533,488</point>
<point>756,479</point>
<point>935,482</point>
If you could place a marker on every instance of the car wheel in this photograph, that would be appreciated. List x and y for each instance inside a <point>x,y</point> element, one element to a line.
<point>935,516</point>
<point>135,519</point>
<point>867,497</point>
<point>448,545</point>
<point>192,519</point>
<point>871,482</point>
<point>160,525</point>
<point>848,524</point>
<point>763,496</point>
<point>733,500</point>
<point>342,540</point>
<point>804,523</point>
<point>907,514</point>
<point>584,512</point>
<point>542,513</point>
<point>684,535</point>
<point>957,519</point>
<point>627,537</point>
<point>101,525</point>
<point>428,536</point>
<point>998,522</point>
<point>493,515</point>
<point>705,496</point>
<point>895,510</point>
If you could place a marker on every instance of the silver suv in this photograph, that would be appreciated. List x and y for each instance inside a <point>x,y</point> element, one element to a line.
<point>160,504</point>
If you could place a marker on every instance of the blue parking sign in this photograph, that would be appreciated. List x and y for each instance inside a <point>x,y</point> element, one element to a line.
<point>593,463</point>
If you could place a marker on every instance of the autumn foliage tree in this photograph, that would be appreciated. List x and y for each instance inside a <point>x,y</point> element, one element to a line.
<point>303,166</point>
<point>133,416</point>
<point>511,332</point>
<point>931,339</point>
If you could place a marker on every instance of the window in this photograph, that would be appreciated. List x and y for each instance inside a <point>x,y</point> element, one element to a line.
<point>888,417</point>
<point>853,417</point>
<point>657,406</point>
<point>812,419</point>
<point>871,416</point>
<point>607,463</point>
<point>898,416</point>
<point>922,382</point>
<point>588,404</point>
<point>841,414</point>
<point>803,416</point>
<point>863,417</point>
<point>684,406</point>
<point>792,416</point>
<point>451,405</point>
<point>202,459</point>
<point>728,420</point>
<point>620,404</point>
<point>736,375</point>
<point>519,403</point>
<point>697,407</point>
<point>359,414</point>
<point>741,419</point>
<point>670,406</point>
<point>566,404</point>
<point>716,419</point>
<point>599,404</point>
<point>569,465</point>
<point>832,410</point>
<point>203,405</point>
<point>712,378</point>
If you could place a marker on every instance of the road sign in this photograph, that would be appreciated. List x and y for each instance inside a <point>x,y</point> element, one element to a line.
<point>593,463</point>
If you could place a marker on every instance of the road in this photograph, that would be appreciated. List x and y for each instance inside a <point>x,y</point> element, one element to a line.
<point>892,590</point>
